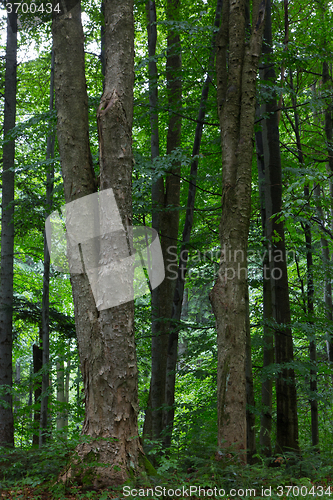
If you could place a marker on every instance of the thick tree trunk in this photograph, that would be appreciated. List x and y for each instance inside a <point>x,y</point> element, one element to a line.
<point>7,238</point>
<point>236,106</point>
<point>105,338</point>
<point>287,422</point>
<point>268,336</point>
<point>182,268</point>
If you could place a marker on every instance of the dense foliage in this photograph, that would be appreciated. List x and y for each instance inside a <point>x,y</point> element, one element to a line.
<point>303,98</point>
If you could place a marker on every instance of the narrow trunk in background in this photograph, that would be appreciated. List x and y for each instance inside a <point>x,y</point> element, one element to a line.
<point>105,338</point>
<point>182,268</point>
<point>167,220</point>
<point>325,252</point>
<point>310,284</point>
<point>268,335</point>
<point>287,419</point>
<point>46,281</point>
<point>7,238</point>
<point>236,89</point>
<point>329,142</point>
<point>61,420</point>
<point>157,204</point>
<point>37,354</point>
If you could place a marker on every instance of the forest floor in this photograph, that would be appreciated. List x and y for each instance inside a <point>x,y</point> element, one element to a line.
<point>32,475</point>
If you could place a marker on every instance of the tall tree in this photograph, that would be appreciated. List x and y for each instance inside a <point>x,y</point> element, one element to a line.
<point>182,268</point>
<point>236,80</point>
<point>7,238</point>
<point>157,203</point>
<point>268,334</point>
<point>165,199</point>
<point>106,337</point>
<point>287,419</point>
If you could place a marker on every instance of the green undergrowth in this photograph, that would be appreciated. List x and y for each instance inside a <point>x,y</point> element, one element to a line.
<point>32,474</point>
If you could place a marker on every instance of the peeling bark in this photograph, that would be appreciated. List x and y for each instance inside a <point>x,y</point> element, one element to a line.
<point>105,338</point>
<point>236,105</point>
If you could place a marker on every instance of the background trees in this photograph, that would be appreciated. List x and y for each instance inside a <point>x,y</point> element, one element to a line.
<point>297,105</point>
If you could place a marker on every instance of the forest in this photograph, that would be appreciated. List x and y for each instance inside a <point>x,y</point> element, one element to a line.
<point>166,315</point>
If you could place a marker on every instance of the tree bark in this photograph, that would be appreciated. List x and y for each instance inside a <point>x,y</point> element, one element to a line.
<point>37,354</point>
<point>152,425</point>
<point>61,420</point>
<point>268,335</point>
<point>236,106</point>
<point>7,238</point>
<point>165,199</point>
<point>287,419</point>
<point>250,400</point>
<point>105,338</point>
<point>182,268</point>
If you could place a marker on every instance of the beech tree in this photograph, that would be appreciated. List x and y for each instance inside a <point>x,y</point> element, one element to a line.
<point>7,238</point>
<point>287,423</point>
<point>105,338</point>
<point>165,201</point>
<point>236,66</point>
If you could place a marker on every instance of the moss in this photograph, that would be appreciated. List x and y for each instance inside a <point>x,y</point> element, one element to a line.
<point>147,466</point>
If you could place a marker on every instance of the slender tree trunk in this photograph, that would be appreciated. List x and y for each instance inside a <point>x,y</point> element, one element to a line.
<point>310,284</point>
<point>38,364</point>
<point>268,336</point>
<point>329,142</point>
<point>105,337</point>
<point>152,425</point>
<point>7,238</point>
<point>312,347</point>
<point>327,270</point>
<point>287,419</point>
<point>182,268</point>
<point>46,280</point>
<point>61,420</point>
<point>236,106</point>
<point>165,203</point>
